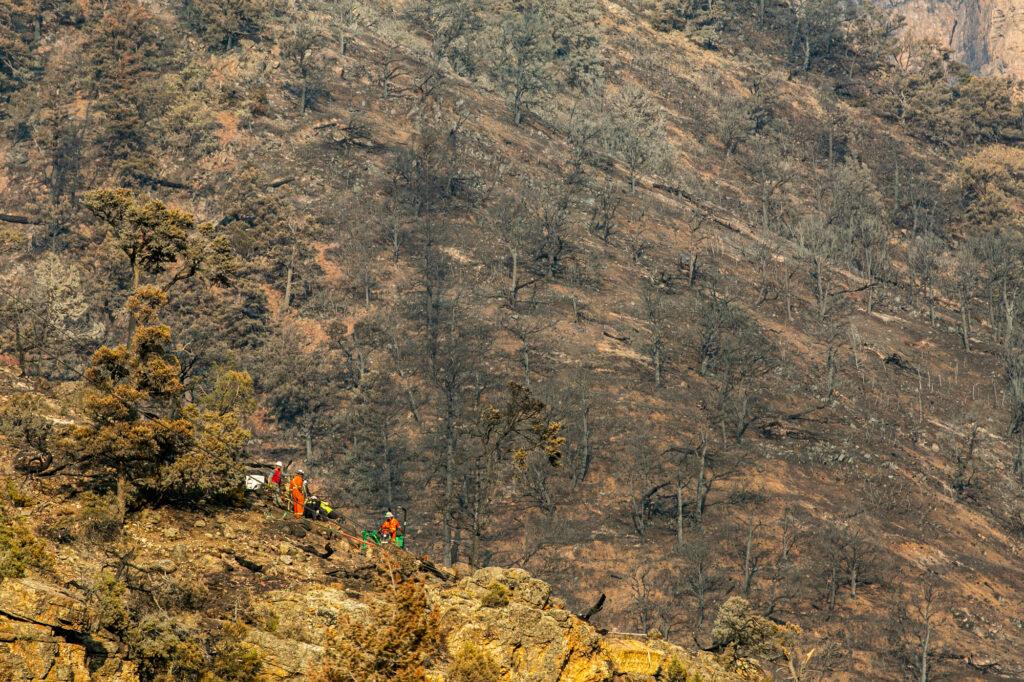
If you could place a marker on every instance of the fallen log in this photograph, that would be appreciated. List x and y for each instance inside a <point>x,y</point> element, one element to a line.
<point>18,219</point>
<point>593,610</point>
<point>225,220</point>
<point>325,554</point>
<point>246,563</point>
<point>433,570</point>
<point>154,181</point>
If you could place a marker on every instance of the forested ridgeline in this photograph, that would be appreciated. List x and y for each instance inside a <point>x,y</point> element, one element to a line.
<point>674,300</point>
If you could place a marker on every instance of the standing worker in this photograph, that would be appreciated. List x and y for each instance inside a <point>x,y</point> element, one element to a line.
<point>298,490</point>
<point>389,528</point>
<point>277,481</point>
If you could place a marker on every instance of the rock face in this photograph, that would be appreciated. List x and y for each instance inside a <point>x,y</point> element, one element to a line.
<point>530,635</point>
<point>510,615</point>
<point>506,612</point>
<point>42,638</point>
<point>288,615</point>
<point>987,35</point>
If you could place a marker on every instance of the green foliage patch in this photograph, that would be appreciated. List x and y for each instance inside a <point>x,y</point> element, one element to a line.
<point>20,549</point>
<point>496,597</point>
<point>473,664</point>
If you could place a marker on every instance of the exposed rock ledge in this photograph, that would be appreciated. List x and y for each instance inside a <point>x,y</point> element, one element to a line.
<point>531,635</point>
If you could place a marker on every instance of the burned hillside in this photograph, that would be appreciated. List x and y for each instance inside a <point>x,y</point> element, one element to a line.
<point>670,301</point>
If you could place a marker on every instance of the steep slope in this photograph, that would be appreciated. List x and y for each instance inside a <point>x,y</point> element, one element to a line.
<point>842,490</point>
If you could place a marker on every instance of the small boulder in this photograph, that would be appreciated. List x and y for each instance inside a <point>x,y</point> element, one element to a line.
<point>165,566</point>
<point>534,592</point>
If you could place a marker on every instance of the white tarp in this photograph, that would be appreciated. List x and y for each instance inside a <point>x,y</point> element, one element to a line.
<point>255,481</point>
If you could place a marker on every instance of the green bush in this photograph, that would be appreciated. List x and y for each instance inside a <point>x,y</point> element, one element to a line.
<point>98,518</point>
<point>234,660</point>
<point>59,529</point>
<point>675,672</point>
<point>497,596</point>
<point>743,633</point>
<point>262,616</point>
<point>22,420</point>
<point>185,593</point>
<point>167,652</point>
<point>212,473</point>
<point>402,634</point>
<point>107,604</point>
<point>20,549</point>
<point>13,495</point>
<point>473,664</point>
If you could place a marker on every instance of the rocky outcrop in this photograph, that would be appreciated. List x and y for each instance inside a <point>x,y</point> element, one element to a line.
<point>531,636</point>
<point>43,638</point>
<point>309,614</point>
<point>505,612</point>
<point>33,652</point>
<point>987,35</point>
<point>511,616</point>
<point>295,590</point>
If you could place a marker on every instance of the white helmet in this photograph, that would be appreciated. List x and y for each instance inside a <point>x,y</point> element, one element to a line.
<point>389,515</point>
<point>300,472</point>
<point>279,464</point>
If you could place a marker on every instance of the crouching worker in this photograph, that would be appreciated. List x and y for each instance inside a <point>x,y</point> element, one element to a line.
<point>391,530</point>
<point>318,510</point>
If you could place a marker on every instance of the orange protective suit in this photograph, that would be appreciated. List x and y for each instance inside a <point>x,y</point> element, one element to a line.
<point>298,498</point>
<point>389,529</point>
